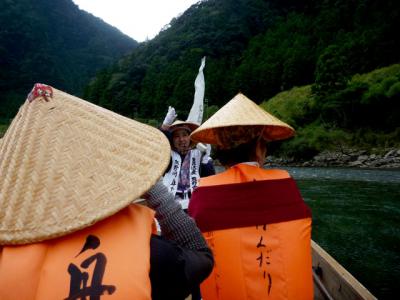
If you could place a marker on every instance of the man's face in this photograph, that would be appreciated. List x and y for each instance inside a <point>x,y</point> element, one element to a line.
<point>181,140</point>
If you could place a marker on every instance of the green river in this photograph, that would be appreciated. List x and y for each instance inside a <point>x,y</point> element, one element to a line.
<point>356,219</point>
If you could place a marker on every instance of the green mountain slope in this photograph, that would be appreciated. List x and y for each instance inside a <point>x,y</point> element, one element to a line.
<point>363,114</point>
<point>161,71</point>
<point>52,42</point>
<point>258,47</point>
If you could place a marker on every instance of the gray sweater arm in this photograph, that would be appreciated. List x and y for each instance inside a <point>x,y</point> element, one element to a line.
<point>175,224</point>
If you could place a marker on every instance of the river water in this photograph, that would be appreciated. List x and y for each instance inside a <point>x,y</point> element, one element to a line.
<point>356,219</point>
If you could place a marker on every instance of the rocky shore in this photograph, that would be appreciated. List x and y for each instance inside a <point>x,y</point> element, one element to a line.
<point>387,159</point>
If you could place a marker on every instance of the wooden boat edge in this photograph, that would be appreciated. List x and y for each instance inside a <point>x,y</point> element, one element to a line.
<point>332,280</point>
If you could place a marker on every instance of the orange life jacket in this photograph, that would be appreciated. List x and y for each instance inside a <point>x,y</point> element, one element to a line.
<point>259,230</point>
<point>111,257</point>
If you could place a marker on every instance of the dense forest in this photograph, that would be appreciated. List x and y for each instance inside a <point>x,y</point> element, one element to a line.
<point>263,48</point>
<point>52,42</point>
<point>365,114</point>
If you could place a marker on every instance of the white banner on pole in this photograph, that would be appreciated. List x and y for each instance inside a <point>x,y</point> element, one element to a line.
<point>196,112</point>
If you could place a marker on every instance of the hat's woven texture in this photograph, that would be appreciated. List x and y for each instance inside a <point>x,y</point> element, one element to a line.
<point>237,113</point>
<point>178,124</point>
<point>66,163</point>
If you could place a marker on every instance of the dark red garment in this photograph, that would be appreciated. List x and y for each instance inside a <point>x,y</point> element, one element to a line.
<point>247,204</point>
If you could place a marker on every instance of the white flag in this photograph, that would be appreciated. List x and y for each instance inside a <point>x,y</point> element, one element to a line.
<point>196,112</point>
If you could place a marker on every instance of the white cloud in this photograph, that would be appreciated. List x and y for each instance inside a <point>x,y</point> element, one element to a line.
<point>140,19</point>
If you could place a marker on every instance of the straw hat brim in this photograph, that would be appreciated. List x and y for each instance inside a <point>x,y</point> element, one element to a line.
<point>241,112</point>
<point>178,124</point>
<point>66,164</point>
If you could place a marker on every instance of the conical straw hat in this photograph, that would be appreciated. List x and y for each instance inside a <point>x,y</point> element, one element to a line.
<point>66,163</point>
<point>240,118</point>
<point>178,124</point>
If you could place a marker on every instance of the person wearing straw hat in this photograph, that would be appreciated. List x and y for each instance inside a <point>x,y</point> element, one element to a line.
<point>189,161</point>
<point>69,172</point>
<point>254,219</point>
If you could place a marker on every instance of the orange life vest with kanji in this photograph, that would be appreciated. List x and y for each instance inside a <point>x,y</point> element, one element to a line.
<point>109,259</point>
<point>259,230</point>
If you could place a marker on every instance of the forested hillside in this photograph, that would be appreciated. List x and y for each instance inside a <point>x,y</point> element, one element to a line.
<point>254,46</point>
<point>365,114</point>
<point>260,48</point>
<point>52,42</point>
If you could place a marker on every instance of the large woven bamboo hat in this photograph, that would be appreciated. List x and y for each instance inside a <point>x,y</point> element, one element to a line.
<point>239,121</point>
<point>66,163</point>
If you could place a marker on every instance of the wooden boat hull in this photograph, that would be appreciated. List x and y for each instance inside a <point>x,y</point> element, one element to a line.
<point>332,281</point>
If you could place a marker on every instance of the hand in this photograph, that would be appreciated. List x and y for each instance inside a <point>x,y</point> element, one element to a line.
<point>170,116</point>
<point>207,152</point>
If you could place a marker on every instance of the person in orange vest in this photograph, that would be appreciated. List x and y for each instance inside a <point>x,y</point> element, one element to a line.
<point>70,227</point>
<point>254,219</point>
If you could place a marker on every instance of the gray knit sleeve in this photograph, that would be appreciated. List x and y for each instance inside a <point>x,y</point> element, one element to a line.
<point>175,224</point>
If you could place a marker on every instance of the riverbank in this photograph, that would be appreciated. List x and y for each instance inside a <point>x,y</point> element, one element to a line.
<point>387,159</point>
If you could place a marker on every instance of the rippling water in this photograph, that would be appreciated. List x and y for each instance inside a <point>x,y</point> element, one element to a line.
<point>356,218</point>
<point>384,176</point>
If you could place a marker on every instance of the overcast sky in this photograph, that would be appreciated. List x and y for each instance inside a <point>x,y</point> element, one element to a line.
<point>140,19</point>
